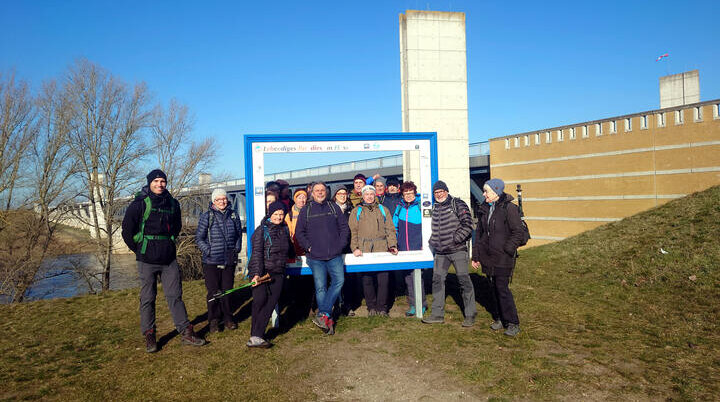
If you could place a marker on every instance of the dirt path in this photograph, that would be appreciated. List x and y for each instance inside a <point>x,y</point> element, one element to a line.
<point>371,371</point>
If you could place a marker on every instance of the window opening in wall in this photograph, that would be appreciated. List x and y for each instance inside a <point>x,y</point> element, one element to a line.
<point>537,138</point>
<point>527,140</point>
<point>628,124</point>
<point>716,111</point>
<point>548,137</point>
<point>507,143</point>
<point>613,127</point>
<point>584,131</point>
<point>560,135</point>
<point>572,133</point>
<point>678,117</point>
<point>517,142</point>
<point>598,129</point>
<point>661,119</point>
<point>644,122</point>
<point>697,112</point>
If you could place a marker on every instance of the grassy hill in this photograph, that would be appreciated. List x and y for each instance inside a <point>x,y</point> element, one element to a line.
<point>605,315</point>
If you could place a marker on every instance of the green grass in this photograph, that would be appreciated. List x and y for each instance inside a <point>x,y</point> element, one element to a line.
<point>605,316</point>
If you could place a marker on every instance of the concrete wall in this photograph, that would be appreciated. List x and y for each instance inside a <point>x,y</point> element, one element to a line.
<point>680,89</point>
<point>574,184</point>
<point>434,91</point>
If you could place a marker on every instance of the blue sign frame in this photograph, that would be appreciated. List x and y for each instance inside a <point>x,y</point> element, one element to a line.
<point>251,139</point>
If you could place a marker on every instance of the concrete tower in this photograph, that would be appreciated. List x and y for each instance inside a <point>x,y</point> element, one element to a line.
<point>680,89</point>
<point>433,74</point>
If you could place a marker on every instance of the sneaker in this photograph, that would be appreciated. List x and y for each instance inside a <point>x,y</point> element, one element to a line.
<point>330,323</point>
<point>411,312</point>
<point>319,321</point>
<point>372,313</point>
<point>189,337</point>
<point>150,341</point>
<point>214,326</point>
<point>497,325</point>
<point>230,324</point>
<point>469,321</point>
<point>512,330</point>
<point>433,320</point>
<point>258,342</point>
<point>383,314</point>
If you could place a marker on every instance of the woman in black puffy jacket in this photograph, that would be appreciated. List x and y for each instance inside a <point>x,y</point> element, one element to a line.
<point>271,248</point>
<point>499,232</point>
<point>219,238</point>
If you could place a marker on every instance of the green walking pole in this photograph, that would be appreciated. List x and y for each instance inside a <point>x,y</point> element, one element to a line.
<point>219,295</point>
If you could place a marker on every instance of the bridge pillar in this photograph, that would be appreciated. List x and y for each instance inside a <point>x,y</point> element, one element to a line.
<point>433,74</point>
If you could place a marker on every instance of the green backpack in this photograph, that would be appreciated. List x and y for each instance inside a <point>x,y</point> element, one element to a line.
<point>140,236</point>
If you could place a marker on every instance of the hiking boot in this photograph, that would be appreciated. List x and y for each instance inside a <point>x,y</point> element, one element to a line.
<point>214,326</point>
<point>330,323</point>
<point>411,312</point>
<point>230,324</point>
<point>512,330</point>
<point>469,321</point>
<point>319,321</point>
<point>258,342</point>
<point>383,314</point>
<point>189,337</point>
<point>372,313</point>
<point>433,320</point>
<point>150,341</point>
<point>497,325</point>
<point>351,313</point>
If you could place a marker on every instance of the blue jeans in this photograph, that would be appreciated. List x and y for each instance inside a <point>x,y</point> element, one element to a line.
<point>320,269</point>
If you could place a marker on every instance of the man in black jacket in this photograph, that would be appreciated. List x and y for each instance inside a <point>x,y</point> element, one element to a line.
<point>152,223</point>
<point>452,226</point>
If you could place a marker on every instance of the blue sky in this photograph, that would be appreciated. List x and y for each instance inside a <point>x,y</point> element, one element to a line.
<point>334,66</point>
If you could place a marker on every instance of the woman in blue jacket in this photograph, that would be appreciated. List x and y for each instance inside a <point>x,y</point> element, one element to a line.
<point>407,219</point>
<point>219,237</point>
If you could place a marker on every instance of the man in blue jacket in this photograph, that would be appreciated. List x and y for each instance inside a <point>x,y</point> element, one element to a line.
<point>322,231</point>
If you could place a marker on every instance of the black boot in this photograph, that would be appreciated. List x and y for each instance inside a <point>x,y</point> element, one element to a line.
<point>150,342</point>
<point>189,337</point>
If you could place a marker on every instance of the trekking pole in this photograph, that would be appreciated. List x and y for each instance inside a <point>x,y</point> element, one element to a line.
<point>219,295</point>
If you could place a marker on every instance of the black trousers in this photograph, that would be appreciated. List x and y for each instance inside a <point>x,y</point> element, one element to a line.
<point>503,307</point>
<point>265,298</point>
<point>217,279</point>
<point>376,286</point>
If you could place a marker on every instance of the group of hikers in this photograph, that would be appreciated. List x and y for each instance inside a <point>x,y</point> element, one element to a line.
<point>375,216</point>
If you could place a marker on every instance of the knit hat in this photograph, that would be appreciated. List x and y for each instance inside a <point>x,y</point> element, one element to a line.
<point>359,176</point>
<point>277,205</point>
<point>368,188</point>
<point>393,181</point>
<point>496,185</point>
<point>298,192</point>
<point>218,192</point>
<point>155,174</point>
<point>381,179</point>
<point>440,185</point>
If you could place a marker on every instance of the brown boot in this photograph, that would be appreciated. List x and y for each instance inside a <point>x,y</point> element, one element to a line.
<point>230,324</point>
<point>150,342</point>
<point>214,326</point>
<point>189,337</point>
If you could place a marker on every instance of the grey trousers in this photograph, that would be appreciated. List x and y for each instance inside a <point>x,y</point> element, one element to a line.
<point>172,287</point>
<point>440,270</point>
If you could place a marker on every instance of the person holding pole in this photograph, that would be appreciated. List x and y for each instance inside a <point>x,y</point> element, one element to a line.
<point>219,238</point>
<point>499,232</point>
<point>452,226</point>
<point>271,248</point>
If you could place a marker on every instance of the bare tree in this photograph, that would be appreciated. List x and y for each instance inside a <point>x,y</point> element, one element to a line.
<point>16,131</point>
<point>107,140</point>
<point>32,233</point>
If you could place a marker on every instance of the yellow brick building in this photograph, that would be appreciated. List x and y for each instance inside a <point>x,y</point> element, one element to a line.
<point>580,176</point>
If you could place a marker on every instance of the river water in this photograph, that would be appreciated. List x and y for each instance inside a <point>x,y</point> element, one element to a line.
<point>62,282</point>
